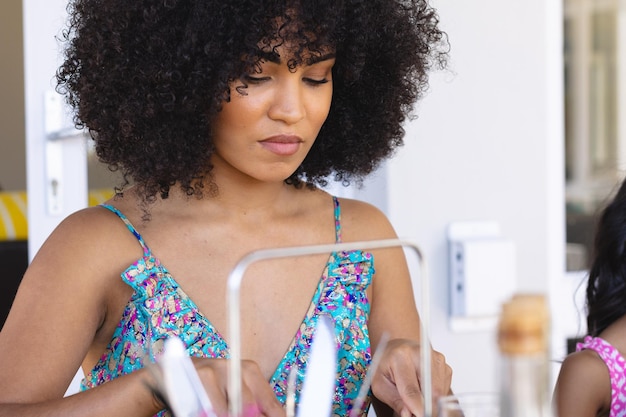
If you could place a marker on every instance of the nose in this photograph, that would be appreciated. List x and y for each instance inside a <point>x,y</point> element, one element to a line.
<point>288,103</point>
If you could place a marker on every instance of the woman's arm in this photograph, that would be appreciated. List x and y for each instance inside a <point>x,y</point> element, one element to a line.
<point>124,396</point>
<point>583,387</point>
<point>60,306</point>
<point>393,311</point>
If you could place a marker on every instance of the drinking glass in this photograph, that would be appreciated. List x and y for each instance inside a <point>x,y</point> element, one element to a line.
<point>471,404</point>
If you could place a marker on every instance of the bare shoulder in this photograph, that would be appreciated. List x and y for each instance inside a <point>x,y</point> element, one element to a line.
<point>91,242</point>
<point>88,220</point>
<point>583,386</point>
<point>585,363</point>
<point>364,221</point>
<point>88,231</point>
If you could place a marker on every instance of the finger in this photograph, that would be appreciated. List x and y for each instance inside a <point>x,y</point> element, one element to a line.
<point>272,408</point>
<point>441,375</point>
<point>402,392</point>
<point>217,394</point>
<point>409,387</point>
<point>261,394</point>
<point>441,379</point>
<point>248,401</point>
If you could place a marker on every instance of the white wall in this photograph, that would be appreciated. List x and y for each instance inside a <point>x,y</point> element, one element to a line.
<point>488,145</point>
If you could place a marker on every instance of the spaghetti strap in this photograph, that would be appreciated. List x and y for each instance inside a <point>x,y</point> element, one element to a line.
<point>130,227</point>
<point>337,220</point>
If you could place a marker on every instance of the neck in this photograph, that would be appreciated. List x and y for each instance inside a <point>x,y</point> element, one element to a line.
<point>258,201</point>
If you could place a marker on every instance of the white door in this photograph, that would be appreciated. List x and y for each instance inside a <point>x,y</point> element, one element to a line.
<point>55,167</point>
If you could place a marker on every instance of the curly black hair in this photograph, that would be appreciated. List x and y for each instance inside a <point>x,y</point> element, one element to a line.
<point>606,286</point>
<point>147,77</point>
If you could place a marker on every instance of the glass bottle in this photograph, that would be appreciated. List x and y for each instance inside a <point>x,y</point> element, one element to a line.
<point>523,334</point>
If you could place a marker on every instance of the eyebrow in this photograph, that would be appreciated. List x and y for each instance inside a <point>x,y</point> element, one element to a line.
<point>319,58</point>
<point>275,58</point>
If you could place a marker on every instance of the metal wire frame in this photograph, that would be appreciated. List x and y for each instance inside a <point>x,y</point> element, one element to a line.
<point>235,279</point>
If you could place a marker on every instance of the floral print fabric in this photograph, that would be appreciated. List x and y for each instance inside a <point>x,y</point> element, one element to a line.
<point>159,309</point>
<point>617,370</point>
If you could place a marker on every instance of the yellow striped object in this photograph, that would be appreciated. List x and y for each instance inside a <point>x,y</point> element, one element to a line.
<point>13,212</point>
<point>13,225</point>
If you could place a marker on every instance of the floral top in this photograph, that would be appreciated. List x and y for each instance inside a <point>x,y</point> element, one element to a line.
<point>159,308</point>
<point>617,371</point>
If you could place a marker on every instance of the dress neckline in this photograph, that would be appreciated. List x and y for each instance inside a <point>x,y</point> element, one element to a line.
<point>149,258</point>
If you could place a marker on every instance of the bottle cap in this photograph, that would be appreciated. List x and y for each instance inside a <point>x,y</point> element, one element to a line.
<point>523,325</point>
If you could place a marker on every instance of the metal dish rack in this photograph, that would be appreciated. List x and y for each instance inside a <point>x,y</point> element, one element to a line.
<point>235,279</point>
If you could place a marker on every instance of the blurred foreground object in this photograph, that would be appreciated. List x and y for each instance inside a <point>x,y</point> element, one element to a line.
<point>523,332</point>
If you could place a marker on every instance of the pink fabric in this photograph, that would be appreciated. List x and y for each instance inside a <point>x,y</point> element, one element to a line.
<point>617,370</point>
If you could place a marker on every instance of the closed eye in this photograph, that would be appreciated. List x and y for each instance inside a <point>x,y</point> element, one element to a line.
<point>255,80</point>
<point>313,81</point>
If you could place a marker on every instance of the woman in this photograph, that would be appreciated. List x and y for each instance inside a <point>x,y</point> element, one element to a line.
<point>592,380</point>
<point>224,118</point>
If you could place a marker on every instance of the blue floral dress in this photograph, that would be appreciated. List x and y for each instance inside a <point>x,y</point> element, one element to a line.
<point>159,309</point>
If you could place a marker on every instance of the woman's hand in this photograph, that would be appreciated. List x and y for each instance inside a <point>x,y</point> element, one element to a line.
<point>257,396</point>
<point>397,381</point>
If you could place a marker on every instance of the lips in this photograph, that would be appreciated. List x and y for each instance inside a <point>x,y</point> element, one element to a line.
<point>282,145</point>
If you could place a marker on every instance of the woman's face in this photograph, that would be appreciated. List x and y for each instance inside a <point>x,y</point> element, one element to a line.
<point>265,131</point>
